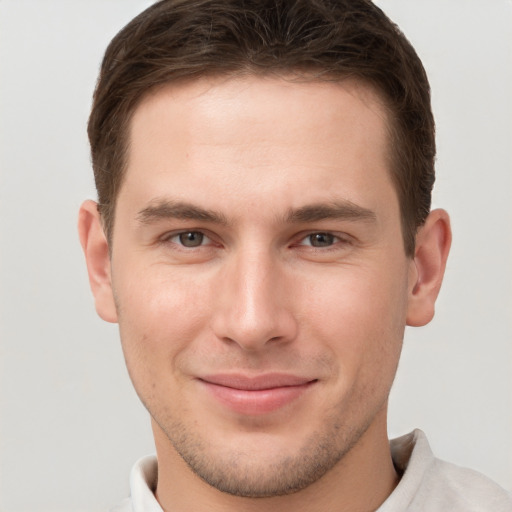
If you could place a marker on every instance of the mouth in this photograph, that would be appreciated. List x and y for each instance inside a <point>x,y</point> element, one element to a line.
<point>262,394</point>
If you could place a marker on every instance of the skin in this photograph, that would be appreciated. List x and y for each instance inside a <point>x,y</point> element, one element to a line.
<point>257,231</point>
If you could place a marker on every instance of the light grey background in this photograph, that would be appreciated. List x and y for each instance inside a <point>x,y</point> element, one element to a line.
<point>70,424</point>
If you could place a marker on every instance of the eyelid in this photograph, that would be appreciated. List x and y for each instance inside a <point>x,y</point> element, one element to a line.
<point>338,238</point>
<point>211,239</point>
<point>168,237</point>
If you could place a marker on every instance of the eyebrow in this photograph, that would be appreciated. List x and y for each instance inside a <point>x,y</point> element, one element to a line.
<point>166,209</point>
<point>169,209</point>
<point>342,210</point>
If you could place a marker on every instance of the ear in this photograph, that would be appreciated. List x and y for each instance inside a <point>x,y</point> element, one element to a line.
<point>427,269</point>
<point>95,247</point>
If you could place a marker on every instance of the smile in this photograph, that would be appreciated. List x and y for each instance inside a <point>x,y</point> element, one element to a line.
<point>256,395</point>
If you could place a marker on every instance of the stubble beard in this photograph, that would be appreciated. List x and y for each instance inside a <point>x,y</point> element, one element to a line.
<point>239,474</point>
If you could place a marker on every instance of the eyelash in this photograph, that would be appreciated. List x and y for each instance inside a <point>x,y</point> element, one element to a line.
<point>335,240</point>
<point>169,238</point>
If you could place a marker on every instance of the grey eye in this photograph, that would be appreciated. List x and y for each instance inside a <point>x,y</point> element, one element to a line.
<point>321,239</point>
<point>191,238</point>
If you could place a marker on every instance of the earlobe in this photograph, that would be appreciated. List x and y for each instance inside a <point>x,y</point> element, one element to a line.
<point>431,253</point>
<point>95,247</point>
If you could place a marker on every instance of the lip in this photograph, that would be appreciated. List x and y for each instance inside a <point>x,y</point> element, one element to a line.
<point>255,395</point>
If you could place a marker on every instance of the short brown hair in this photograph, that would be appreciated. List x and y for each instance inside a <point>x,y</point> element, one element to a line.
<point>321,39</point>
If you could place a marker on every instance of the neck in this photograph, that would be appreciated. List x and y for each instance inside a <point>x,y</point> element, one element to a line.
<point>360,482</point>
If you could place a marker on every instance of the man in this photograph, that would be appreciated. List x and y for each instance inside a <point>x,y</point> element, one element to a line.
<point>263,235</point>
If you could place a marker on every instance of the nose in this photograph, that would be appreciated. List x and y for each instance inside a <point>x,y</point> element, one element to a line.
<point>254,304</point>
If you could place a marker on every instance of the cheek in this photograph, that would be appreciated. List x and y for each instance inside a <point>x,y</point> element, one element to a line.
<point>161,313</point>
<point>360,317</point>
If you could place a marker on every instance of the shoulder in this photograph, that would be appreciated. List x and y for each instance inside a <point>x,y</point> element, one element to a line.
<point>430,484</point>
<point>450,487</point>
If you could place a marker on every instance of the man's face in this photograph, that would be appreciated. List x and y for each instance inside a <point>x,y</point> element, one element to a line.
<point>259,275</point>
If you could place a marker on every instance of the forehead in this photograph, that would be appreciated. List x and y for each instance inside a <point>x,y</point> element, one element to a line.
<point>217,98</point>
<point>260,134</point>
